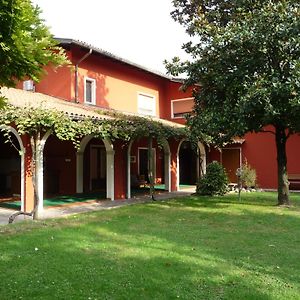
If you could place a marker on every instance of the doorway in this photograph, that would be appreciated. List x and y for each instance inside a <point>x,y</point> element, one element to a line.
<point>143,163</point>
<point>97,167</point>
<point>231,161</point>
<point>188,164</point>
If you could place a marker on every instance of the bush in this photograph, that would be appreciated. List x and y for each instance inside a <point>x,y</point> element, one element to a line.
<point>248,175</point>
<point>214,182</point>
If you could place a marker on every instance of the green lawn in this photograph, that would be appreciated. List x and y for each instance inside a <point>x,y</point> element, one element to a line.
<point>188,248</point>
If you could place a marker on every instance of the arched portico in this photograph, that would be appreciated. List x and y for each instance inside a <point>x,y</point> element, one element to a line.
<point>109,166</point>
<point>167,166</point>
<point>21,151</point>
<point>198,165</point>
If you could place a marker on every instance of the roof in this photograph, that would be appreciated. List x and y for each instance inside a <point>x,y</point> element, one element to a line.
<point>67,41</point>
<point>21,98</point>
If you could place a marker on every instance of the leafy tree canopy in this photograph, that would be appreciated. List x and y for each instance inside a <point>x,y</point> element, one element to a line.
<point>26,44</point>
<point>246,58</point>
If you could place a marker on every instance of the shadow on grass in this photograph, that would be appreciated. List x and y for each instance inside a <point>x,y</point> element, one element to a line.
<point>100,265</point>
<point>263,243</point>
<point>264,199</point>
<point>163,250</point>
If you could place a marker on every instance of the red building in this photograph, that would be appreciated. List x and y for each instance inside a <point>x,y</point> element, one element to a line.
<point>98,79</point>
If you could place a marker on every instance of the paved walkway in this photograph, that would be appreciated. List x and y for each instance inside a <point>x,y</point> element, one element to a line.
<point>66,210</point>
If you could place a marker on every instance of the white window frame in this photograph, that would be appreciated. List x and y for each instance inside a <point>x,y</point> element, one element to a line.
<point>153,104</point>
<point>28,85</point>
<point>93,81</point>
<point>177,100</point>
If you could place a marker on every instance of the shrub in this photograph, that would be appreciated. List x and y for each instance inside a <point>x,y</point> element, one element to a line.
<point>214,182</point>
<point>248,175</point>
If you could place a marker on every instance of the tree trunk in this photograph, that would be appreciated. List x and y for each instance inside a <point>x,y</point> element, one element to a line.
<point>35,146</point>
<point>283,184</point>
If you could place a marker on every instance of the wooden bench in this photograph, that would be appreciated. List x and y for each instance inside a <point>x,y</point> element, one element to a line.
<point>294,180</point>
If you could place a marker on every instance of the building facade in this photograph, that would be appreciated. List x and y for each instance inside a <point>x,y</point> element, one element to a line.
<point>96,79</point>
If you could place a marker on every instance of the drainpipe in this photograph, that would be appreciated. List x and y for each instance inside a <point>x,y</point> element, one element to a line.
<point>76,73</point>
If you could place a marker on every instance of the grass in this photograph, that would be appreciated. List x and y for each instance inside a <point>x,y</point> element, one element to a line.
<point>188,248</point>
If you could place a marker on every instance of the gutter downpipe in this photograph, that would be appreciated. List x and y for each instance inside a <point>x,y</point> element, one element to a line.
<point>76,73</point>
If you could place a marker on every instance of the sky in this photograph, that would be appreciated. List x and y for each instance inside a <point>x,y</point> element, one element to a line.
<point>141,31</point>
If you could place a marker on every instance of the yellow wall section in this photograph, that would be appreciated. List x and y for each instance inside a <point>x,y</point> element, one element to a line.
<point>124,95</point>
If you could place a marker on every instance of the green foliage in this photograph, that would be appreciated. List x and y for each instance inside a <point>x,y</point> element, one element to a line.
<point>32,121</point>
<point>134,127</point>
<point>26,45</point>
<point>248,175</point>
<point>214,182</point>
<point>246,57</point>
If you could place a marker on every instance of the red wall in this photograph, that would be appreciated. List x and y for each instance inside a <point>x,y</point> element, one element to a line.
<point>60,164</point>
<point>260,151</point>
<point>293,153</point>
<point>120,173</point>
<point>57,82</point>
<point>117,84</point>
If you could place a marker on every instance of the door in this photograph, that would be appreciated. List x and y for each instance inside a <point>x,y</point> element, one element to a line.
<point>231,160</point>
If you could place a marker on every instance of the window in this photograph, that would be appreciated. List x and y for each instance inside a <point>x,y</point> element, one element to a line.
<point>28,85</point>
<point>90,91</point>
<point>146,105</point>
<point>181,107</point>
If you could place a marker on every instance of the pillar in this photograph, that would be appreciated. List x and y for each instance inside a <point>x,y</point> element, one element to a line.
<point>174,144</point>
<point>28,180</point>
<point>121,169</point>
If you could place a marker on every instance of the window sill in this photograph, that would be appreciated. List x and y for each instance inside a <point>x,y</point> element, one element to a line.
<point>90,104</point>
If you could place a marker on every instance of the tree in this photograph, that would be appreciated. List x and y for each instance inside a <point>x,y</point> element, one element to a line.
<point>26,45</point>
<point>246,59</point>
